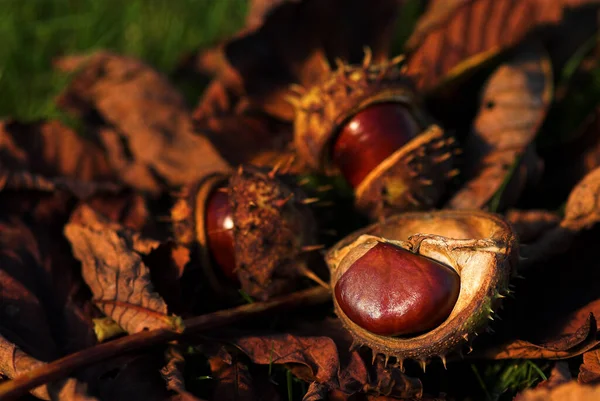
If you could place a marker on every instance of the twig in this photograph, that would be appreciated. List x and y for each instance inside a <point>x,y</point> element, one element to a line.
<point>61,368</point>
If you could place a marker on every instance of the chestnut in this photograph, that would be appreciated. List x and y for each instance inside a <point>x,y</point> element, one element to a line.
<point>219,232</point>
<point>370,137</point>
<point>366,123</point>
<point>250,228</point>
<point>421,285</point>
<point>391,291</point>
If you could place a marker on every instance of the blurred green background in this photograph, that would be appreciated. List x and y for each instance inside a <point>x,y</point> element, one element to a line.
<point>159,32</point>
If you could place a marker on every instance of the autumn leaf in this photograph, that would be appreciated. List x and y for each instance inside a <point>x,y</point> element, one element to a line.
<point>15,362</point>
<point>50,149</point>
<point>113,269</point>
<point>569,391</point>
<point>589,371</point>
<point>560,374</point>
<point>141,121</point>
<point>568,345</point>
<point>513,104</point>
<point>325,359</point>
<point>583,206</point>
<point>172,373</point>
<point>41,317</point>
<point>233,380</point>
<point>454,37</point>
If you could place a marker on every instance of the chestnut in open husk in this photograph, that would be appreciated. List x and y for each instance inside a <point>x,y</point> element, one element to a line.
<point>422,285</point>
<point>251,227</point>
<point>366,123</point>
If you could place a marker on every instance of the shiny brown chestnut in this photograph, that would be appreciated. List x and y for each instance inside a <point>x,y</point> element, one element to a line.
<point>390,291</point>
<point>370,137</point>
<point>366,122</point>
<point>251,228</point>
<point>219,232</point>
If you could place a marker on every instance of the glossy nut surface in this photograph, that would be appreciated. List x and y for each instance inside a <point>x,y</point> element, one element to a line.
<point>371,136</point>
<point>219,225</point>
<point>390,291</point>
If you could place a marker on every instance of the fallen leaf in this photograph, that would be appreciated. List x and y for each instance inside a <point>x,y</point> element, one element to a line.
<point>589,371</point>
<point>560,374</point>
<point>14,362</point>
<point>116,274</point>
<point>514,102</point>
<point>41,317</point>
<point>454,37</point>
<point>140,119</point>
<point>583,206</point>
<point>172,373</point>
<point>571,391</point>
<point>568,345</point>
<point>531,224</point>
<point>232,377</point>
<point>50,149</point>
<point>326,359</point>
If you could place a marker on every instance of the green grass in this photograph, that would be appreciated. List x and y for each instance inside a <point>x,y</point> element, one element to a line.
<point>158,31</point>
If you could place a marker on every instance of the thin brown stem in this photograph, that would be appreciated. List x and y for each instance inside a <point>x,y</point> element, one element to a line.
<point>61,368</point>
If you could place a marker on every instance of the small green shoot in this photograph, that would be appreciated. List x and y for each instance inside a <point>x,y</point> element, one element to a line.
<point>494,203</point>
<point>246,297</point>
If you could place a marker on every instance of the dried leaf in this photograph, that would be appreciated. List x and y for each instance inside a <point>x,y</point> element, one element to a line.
<point>571,391</point>
<point>514,102</point>
<point>589,372</point>
<point>325,359</point>
<point>49,149</point>
<point>531,224</point>
<point>233,380</point>
<point>141,121</point>
<point>172,373</point>
<point>573,339</point>
<point>456,36</point>
<point>116,274</point>
<point>14,362</point>
<point>560,374</point>
<point>40,319</point>
<point>583,206</point>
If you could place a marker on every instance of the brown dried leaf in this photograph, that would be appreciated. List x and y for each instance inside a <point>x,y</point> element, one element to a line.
<point>41,317</point>
<point>172,373</point>
<point>583,206</point>
<point>51,149</point>
<point>514,102</point>
<point>140,119</point>
<point>589,372</point>
<point>113,269</point>
<point>14,362</point>
<point>233,380</point>
<point>572,339</point>
<point>560,374</point>
<point>571,391</point>
<point>453,37</point>
<point>531,224</point>
<point>324,358</point>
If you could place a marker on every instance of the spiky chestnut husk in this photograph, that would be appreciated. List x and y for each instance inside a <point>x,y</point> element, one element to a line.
<point>414,176</point>
<point>481,247</point>
<point>271,230</point>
